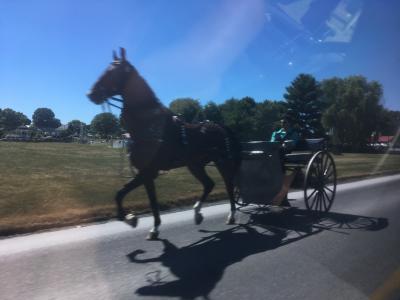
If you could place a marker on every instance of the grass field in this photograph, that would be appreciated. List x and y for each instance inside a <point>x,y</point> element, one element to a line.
<point>44,185</point>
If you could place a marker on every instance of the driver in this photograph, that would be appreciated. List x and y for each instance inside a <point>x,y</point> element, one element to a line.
<point>286,133</point>
<point>289,138</point>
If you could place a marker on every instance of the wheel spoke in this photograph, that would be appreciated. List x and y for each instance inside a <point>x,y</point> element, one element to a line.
<point>317,201</point>
<point>326,162</point>
<point>312,178</point>
<point>313,202</point>
<point>321,201</point>
<point>314,169</point>
<point>330,173</point>
<point>321,165</point>
<point>327,168</point>
<point>319,171</point>
<point>325,187</point>
<point>327,196</point>
<point>327,199</point>
<point>309,197</point>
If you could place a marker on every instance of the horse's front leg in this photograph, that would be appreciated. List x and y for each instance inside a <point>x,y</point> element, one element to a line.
<point>151,193</point>
<point>131,185</point>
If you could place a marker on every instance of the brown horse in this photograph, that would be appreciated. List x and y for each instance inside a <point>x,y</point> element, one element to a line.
<point>160,141</point>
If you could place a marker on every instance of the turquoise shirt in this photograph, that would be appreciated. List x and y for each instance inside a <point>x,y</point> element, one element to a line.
<point>281,135</point>
<point>278,136</point>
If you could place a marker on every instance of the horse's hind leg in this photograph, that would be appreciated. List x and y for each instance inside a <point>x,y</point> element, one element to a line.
<point>151,193</point>
<point>131,185</point>
<point>227,169</point>
<point>199,172</point>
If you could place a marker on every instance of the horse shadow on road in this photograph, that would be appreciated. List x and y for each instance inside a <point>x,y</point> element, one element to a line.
<point>194,270</point>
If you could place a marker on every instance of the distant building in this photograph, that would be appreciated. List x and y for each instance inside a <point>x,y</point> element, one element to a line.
<point>384,141</point>
<point>60,130</point>
<point>25,131</point>
<point>22,133</point>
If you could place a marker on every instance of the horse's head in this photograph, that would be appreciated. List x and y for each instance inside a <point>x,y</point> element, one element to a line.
<point>113,80</point>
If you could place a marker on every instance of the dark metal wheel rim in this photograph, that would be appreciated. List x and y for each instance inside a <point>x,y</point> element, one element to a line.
<point>320,182</point>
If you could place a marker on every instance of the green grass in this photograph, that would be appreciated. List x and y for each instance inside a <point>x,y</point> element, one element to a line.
<point>45,185</point>
<point>356,164</point>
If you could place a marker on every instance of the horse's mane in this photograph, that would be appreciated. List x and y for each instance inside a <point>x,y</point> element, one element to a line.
<point>140,94</point>
<point>143,113</point>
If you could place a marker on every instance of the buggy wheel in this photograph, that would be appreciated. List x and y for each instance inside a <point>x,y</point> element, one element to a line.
<point>320,182</point>
<point>237,197</point>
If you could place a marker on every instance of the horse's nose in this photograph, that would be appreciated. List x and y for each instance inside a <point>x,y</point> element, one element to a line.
<point>89,94</point>
<point>92,96</point>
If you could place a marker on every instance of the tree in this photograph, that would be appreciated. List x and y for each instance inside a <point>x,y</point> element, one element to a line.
<point>389,122</point>
<point>10,119</point>
<point>355,110</point>
<point>187,108</point>
<point>267,115</point>
<point>75,127</point>
<point>105,125</point>
<point>239,116</point>
<point>304,107</point>
<point>212,112</point>
<point>44,118</point>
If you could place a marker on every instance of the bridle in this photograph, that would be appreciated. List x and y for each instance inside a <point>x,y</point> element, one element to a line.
<point>127,70</point>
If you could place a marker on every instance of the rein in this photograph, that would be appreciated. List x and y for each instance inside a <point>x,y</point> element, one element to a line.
<point>114,99</point>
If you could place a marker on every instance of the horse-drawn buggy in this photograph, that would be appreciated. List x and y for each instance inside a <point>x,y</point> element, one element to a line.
<point>162,142</point>
<point>264,164</point>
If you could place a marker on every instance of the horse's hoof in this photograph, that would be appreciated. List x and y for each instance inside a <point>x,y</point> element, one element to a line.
<point>230,221</point>
<point>198,218</point>
<point>152,236</point>
<point>131,219</point>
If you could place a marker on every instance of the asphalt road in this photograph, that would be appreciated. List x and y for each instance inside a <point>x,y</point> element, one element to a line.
<point>353,253</point>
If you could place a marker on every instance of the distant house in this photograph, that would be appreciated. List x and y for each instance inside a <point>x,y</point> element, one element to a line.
<point>389,141</point>
<point>385,139</point>
<point>59,130</point>
<point>25,131</point>
<point>22,133</point>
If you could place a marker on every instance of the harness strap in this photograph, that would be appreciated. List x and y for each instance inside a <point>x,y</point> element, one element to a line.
<point>183,135</point>
<point>117,99</point>
<point>227,145</point>
<point>182,129</point>
<point>114,105</point>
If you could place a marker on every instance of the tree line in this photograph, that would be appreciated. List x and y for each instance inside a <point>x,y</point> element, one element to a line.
<point>349,110</point>
<point>104,125</point>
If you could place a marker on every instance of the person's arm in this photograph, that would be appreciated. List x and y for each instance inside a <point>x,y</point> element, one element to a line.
<point>273,137</point>
<point>278,136</point>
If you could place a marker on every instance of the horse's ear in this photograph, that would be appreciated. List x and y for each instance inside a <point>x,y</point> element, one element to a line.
<point>115,57</point>
<point>122,53</point>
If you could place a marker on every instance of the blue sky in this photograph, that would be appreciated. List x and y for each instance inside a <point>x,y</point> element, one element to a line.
<point>52,51</point>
